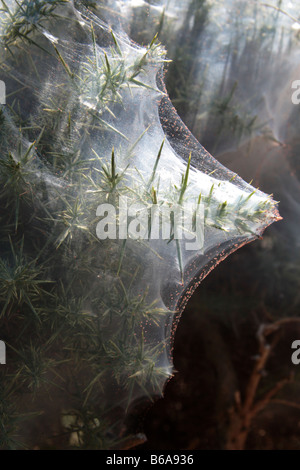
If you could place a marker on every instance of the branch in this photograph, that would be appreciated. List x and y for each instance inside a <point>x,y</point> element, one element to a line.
<point>261,404</point>
<point>279,401</point>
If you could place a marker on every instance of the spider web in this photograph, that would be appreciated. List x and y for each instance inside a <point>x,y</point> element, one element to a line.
<point>76,90</point>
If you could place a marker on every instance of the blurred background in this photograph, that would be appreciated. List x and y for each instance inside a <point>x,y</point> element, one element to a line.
<point>233,67</point>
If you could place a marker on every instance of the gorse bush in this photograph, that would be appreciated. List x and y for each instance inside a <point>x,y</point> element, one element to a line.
<point>89,322</point>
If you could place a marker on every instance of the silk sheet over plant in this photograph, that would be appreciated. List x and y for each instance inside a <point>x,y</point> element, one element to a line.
<point>89,322</point>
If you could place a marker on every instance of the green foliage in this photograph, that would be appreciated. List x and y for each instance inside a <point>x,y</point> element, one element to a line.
<point>28,16</point>
<point>72,320</point>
